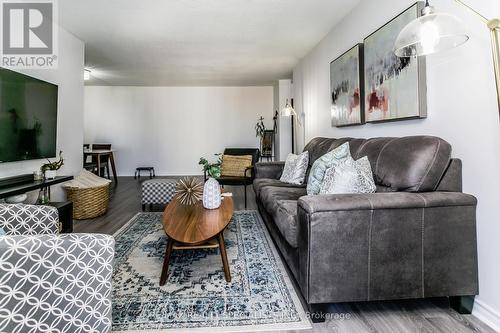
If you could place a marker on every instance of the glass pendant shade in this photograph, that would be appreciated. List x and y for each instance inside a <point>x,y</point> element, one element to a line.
<point>288,110</point>
<point>431,33</point>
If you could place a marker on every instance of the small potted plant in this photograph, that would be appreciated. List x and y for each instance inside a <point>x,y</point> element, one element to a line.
<point>260,128</point>
<point>211,169</point>
<point>50,169</point>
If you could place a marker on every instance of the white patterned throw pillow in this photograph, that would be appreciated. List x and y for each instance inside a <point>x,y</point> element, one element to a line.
<point>295,168</point>
<point>349,176</point>
<point>325,162</point>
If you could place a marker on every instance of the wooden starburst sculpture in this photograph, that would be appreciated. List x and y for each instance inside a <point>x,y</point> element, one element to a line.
<point>189,190</point>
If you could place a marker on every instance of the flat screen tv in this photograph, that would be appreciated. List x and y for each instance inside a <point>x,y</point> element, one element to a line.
<point>28,117</point>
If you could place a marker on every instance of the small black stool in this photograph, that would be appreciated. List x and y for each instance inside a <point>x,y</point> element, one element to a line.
<point>150,169</point>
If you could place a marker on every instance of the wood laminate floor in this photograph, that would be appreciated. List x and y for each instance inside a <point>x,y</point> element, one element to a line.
<point>430,315</point>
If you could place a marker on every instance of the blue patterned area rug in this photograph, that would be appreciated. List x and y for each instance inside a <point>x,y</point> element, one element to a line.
<point>196,297</point>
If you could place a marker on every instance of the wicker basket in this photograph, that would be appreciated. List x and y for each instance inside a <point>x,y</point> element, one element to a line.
<point>88,202</point>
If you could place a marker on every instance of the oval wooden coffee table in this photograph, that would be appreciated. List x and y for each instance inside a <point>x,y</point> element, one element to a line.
<point>193,227</point>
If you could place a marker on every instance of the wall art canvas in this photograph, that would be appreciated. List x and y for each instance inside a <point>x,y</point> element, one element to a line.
<point>346,85</point>
<point>395,88</point>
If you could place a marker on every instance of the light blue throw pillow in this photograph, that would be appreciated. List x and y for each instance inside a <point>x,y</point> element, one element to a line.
<point>324,163</point>
<point>2,232</point>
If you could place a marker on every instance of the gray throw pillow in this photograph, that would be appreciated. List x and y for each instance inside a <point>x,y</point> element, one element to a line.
<point>295,168</point>
<point>349,176</point>
<point>324,163</point>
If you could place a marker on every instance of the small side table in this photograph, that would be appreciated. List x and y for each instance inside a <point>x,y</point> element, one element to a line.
<point>65,210</point>
<point>151,171</point>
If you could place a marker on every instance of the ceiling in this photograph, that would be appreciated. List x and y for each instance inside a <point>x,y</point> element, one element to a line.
<point>197,42</point>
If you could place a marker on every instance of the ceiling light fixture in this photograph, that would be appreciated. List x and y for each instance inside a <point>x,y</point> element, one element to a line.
<point>86,74</point>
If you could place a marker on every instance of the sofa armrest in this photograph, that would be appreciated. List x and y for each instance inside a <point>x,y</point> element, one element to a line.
<point>387,200</point>
<point>20,219</point>
<point>60,281</point>
<point>271,170</point>
<point>361,247</point>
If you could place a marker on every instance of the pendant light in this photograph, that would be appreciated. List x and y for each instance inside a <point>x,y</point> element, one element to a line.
<point>288,110</point>
<point>431,33</point>
<point>435,32</point>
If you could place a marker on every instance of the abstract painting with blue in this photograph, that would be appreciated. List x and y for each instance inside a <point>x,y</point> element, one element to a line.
<point>395,88</point>
<point>346,88</point>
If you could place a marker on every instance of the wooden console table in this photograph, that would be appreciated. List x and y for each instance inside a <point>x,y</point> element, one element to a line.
<point>25,183</point>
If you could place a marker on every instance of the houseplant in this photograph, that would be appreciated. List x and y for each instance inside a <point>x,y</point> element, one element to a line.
<point>260,128</point>
<point>211,169</point>
<point>50,169</point>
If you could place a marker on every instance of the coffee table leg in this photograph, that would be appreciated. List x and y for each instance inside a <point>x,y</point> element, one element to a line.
<point>164,271</point>
<point>223,254</point>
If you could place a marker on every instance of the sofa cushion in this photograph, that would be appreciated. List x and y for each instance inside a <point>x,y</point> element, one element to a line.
<point>270,196</point>
<point>318,147</point>
<point>411,164</point>
<point>349,176</point>
<point>236,165</point>
<point>324,163</point>
<point>295,168</point>
<point>260,183</point>
<point>285,218</point>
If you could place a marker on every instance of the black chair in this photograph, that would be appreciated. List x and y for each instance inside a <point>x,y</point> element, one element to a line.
<point>104,159</point>
<point>249,173</point>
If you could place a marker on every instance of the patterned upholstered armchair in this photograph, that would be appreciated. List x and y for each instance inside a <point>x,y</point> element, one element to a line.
<point>51,282</point>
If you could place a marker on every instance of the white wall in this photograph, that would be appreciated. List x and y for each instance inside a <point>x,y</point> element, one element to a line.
<point>69,77</point>
<point>462,109</point>
<point>170,128</point>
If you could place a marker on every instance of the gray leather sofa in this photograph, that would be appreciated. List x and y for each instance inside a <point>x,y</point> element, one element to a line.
<point>414,238</point>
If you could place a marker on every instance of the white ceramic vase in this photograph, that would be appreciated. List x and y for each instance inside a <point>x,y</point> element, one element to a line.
<point>211,194</point>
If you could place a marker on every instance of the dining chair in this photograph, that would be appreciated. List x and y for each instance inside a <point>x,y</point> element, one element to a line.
<point>104,159</point>
<point>88,163</point>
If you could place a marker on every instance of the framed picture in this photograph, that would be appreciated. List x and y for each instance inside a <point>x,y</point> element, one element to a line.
<point>395,88</point>
<point>346,88</point>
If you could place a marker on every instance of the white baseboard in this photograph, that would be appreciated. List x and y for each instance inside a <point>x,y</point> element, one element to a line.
<point>486,314</point>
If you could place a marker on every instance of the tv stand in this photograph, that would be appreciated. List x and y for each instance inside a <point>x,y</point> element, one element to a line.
<point>25,183</point>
